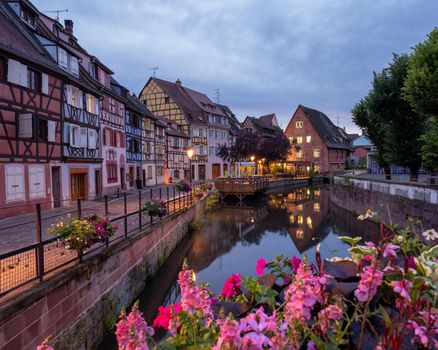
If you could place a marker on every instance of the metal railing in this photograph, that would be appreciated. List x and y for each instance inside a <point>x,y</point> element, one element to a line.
<point>34,262</point>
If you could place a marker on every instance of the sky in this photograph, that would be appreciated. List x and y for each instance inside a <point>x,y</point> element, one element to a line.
<point>264,56</point>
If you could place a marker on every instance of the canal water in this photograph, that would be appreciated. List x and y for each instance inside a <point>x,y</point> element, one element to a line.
<point>232,238</point>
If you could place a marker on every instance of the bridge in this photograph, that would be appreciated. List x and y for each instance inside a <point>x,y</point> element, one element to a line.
<point>241,187</point>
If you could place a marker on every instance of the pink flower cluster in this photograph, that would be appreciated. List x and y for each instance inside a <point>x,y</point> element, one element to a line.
<point>261,265</point>
<point>402,288</point>
<point>330,313</point>
<point>249,334</point>
<point>194,298</point>
<point>45,346</point>
<point>167,317</point>
<point>295,263</point>
<point>427,325</point>
<point>302,294</point>
<point>132,331</point>
<point>232,286</point>
<point>371,279</point>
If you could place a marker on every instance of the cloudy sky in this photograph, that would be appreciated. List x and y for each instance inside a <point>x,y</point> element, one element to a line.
<point>264,56</point>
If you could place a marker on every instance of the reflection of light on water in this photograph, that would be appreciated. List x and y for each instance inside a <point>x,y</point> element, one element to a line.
<point>300,233</point>
<point>292,219</point>
<point>300,219</point>
<point>300,207</point>
<point>308,192</point>
<point>316,207</point>
<point>252,220</point>
<point>193,276</point>
<point>309,222</point>
<point>317,193</point>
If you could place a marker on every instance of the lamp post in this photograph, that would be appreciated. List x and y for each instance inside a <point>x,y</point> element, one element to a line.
<point>190,153</point>
<point>252,160</point>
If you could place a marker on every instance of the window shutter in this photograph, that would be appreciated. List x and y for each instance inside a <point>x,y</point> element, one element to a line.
<point>69,93</point>
<point>37,183</point>
<point>83,141</point>
<point>14,182</point>
<point>45,84</point>
<point>62,58</point>
<point>23,75</point>
<point>51,131</point>
<point>66,133</point>
<point>74,66</point>
<point>96,106</point>
<point>14,68</point>
<point>80,103</point>
<point>25,126</point>
<point>72,137</point>
<point>92,139</point>
<point>87,102</point>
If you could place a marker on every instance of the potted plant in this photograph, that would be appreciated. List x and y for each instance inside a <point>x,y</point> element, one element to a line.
<point>77,234</point>
<point>103,227</point>
<point>198,192</point>
<point>183,186</point>
<point>155,208</point>
<point>207,186</point>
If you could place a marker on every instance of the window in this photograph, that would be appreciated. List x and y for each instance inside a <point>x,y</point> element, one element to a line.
<point>33,80</point>
<point>62,58</point>
<point>248,130</point>
<point>201,133</point>
<point>160,149</point>
<point>73,65</point>
<point>291,140</point>
<point>74,96</point>
<point>308,139</point>
<point>111,172</point>
<point>176,142</point>
<point>186,143</point>
<point>26,16</point>
<point>75,136</point>
<point>149,171</point>
<point>42,130</point>
<point>299,139</point>
<point>92,104</point>
<point>211,118</point>
<point>317,169</point>
<point>3,69</point>
<point>211,133</point>
<point>159,170</point>
<point>119,139</point>
<point>316,207</point>
<point>93,71</point>
<point>201,150</point>
<point>25,126</point>
<point>300,154</point>
<point>299,125</point>
<point>167,99</point>
<point>176,174</point>
<point>92,139</point>
<point>316,153</point>
<point>121,109</point>
<point>112,105</point>
<point>211,151</point>
<point>37,181</point>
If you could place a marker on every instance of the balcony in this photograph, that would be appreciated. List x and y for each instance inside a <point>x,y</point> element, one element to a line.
<point>80,116</point>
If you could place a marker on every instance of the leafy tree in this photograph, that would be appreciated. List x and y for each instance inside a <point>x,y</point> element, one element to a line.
<point>421,91</point>
<point>400,126</point>
<point>275,149</point>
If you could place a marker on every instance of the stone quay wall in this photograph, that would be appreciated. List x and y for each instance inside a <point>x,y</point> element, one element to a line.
<point>80,305</point>
<point>395,203</point>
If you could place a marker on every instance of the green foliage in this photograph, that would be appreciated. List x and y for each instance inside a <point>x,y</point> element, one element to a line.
<point>429,151</point>
<point>212,200</point>
<point>259,292</point>
<point>350,240</point>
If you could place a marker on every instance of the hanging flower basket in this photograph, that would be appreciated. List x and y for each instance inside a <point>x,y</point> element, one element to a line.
<point>155,208</point>
<point>104,228</point>
<point>183,186</point>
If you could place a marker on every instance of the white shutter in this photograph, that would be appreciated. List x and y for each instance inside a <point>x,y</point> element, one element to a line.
<point>74,66</point>
<point>66,133</point>
<point>96,105</point>
<point>25,125</point>
<point>75,138</point>
<point>92,139</point>
<point>45,84</point>
<point>37,181</point>
<point>83,142</point>
<point>80,103</point>
<point>68,93</point>
<point>87,103</point>
<point>62,58</point>
<point>14,68</point>
<point>14,182</point>
<point>51,131</point>
<point>23,75</point>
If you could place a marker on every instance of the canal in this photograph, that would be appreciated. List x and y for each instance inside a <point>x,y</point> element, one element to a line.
<point>232,238</point>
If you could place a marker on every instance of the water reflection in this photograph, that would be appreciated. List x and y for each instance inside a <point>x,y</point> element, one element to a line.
<point>232,238</point>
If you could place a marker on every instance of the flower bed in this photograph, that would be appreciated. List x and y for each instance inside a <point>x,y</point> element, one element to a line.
<point>155,208</point>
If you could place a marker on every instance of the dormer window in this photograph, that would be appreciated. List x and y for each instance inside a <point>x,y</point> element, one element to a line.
<point>167,99</point>
<point>93,71</point>
<point>27,16</point>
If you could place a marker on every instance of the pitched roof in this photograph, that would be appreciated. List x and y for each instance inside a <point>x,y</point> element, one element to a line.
<point>328,132</point>
<point>269,119</point>
<point>135,104</point>
<point>179,95</point>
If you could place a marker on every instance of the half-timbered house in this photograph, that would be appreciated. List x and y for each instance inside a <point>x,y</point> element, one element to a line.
<point>194,113</point>
<point>30,117</point>
<point>160,150</point>
<point>148,148</point>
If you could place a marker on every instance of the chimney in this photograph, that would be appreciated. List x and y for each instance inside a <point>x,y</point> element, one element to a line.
<point>178,83</point>
<point>68,26</point>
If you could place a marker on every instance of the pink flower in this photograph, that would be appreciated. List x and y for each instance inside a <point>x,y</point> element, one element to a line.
<point>258,322</point>
<point>371,279</point>
<point>295,262</point>
<point>166,314</point>
<point>229,336</point>
<point>390,250</point>
<point>232,286</point>
<point>261,264</point>
<point>330,313</point>
<point>45,345</point>
<point>302,294</point>
<point>311,345</point>
<point>419,331</point>
<point>116,227</point>
<point>402,288</point>
<point>411,263</point>
<point>255,341</point>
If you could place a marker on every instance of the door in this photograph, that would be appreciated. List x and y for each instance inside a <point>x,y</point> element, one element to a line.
<point>78,186</point>
<point>144,177</point>
<point>98,182</point>
<point>56,186</point>
<point>14,183</point>
<point>131,176</point>
<point>37,181</point>
<point>216,170</point>
<point>201,170</point>
<point>122,178</point>
<point>225,169</point>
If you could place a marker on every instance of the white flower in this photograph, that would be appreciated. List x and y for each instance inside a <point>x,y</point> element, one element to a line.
<point>368,214</point>
<point>430,235</point>
<point>400,239</point>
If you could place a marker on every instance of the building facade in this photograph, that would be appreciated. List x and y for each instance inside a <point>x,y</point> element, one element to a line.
<point>320,146</point>
<point>194,114</point>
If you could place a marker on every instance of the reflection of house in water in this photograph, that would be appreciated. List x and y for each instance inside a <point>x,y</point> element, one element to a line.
<point>308,215</point>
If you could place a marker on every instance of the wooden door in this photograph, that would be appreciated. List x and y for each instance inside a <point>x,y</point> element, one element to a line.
<point>56,187</point>
<point>77,186</point>
<point>98,182</point>
<point>216,170</point>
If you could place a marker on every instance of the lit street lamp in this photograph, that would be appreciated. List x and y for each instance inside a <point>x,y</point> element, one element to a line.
<point>190,153</point>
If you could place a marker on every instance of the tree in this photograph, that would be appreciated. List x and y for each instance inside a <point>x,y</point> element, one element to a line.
<point>245,146</point>
<point>401,126</point>
<point>274,149</point>
<point>421,91</point>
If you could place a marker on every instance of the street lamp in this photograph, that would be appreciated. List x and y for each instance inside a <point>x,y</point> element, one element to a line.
<point>190,153</point>
<point>252,158</point>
